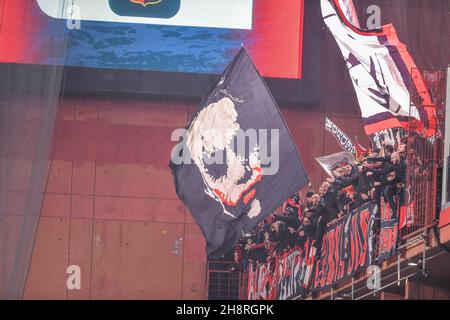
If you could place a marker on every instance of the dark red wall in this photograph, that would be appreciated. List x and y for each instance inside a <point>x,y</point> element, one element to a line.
<point>110,205</point>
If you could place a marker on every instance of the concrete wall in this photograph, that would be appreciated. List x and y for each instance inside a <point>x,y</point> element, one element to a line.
<point>110,206</point>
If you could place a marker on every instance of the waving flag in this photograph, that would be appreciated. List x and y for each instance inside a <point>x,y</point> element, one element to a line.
<point>335,160</point>
<point>380,67</point>
<point>236,162</point>
<point>361,152</point>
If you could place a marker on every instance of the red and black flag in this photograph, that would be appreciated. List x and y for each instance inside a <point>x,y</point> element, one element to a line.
<point>236,162</point>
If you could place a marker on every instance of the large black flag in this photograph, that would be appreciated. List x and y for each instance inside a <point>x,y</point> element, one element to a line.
<point>236,161</point>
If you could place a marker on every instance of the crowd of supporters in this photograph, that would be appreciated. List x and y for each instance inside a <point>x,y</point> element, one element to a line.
<point>380,174</point>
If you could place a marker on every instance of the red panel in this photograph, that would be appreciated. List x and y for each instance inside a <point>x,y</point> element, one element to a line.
<point>143,113</point>
<point>194,244</point>
<point>277,37</point>
<point>21,24</point>
<point>82,206</point>
<point>47,276</point>
<point>194,266</point>
<point>135,144</point>
<point>83,178</point>
<point>311,145</point>
<point>139,209</point>
<point>86,110</point>
<point>60,178</point>
<point>194,280</point>
<point>77,140</point>
<point>130,180</point>
<point>2,3</point>
<point>80,255</point>
<point>66,111</point>
<point>292,118</point>
<point>444,218</point>
<point>56,205</point>
<point>137,260</point>
<point>19,17</point>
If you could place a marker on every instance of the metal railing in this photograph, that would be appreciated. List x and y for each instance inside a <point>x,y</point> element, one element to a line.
<point>425,152</point>
<point>224,280</point>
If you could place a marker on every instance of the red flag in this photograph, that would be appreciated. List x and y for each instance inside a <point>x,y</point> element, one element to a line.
<point>361,152</point>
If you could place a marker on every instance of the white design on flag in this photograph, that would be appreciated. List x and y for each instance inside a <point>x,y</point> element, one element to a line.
<point>328,163</point>
<point>211,136</point>
<point>344,141</point>
<point>378,82</point>
<point>231,14</point>
<point>350,12</point>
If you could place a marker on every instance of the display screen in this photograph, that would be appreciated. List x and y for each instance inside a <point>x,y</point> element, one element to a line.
<point>189,36</point>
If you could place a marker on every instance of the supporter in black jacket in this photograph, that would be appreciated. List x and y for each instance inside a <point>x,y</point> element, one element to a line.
<point>395,180</point>
<point>349,178</point>
<point>255,248</point>
<point>315,222</point>
<point>399,166</point>
<point>312,215</point>
<point>290,218</point>
<point>330,202</point>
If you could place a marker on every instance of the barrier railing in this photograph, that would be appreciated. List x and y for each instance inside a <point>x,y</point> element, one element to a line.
<point>224,280</point>
<point>425,153</point>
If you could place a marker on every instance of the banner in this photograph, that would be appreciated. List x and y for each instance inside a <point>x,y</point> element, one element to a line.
<point>387,243</point>
<point>292,280</point>
<point>262,281</point>
<point>345,248</point>
<point>236,161</point>
<point>344,141</point>
<point>266,281</point>
<point>388,237</point>
<point>252,280</point>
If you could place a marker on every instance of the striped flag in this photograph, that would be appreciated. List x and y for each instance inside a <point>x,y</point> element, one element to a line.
<point>380,67</point>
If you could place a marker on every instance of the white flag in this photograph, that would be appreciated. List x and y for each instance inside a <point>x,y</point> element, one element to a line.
<point>380,68</point>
